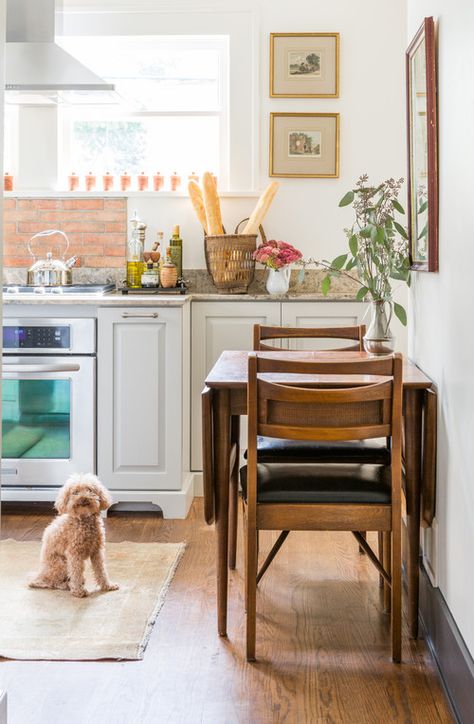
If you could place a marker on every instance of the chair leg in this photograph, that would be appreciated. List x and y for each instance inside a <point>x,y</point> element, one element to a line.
<point>364,535</point>
<point>234,493</point>
<point>233,515</point>
<point>275,548</point>
<point>397,595</point>
<point>251,594</point>
<point>387,564</point>
<point>380,550</point>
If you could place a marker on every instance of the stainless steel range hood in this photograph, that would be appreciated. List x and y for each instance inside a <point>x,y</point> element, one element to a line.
<point>37,69</point>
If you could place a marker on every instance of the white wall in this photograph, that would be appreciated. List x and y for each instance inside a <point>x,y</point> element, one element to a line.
<point>372,122</point>
<point>441,335</point>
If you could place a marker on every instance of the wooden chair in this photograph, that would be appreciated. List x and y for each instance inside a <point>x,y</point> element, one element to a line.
<point>261,334</point>
<point>309,496</point>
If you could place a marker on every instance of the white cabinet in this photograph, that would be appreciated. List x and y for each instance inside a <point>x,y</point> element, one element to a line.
<point>140,398</point>
<point>217,326</point>
<point>321,314</point>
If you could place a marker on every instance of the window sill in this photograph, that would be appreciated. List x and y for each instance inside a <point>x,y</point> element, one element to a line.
<point>38,194</point>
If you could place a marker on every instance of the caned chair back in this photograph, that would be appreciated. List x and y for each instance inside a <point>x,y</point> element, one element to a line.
<point>337,399</point>
<point>262,333</point>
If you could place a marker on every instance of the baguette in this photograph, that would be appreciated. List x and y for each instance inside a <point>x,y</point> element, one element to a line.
<point>260,211</point>
<point>195,194</point>
<point>211,202</point>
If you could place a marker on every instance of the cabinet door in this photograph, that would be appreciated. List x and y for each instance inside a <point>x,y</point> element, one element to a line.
<point>320,314</point>
<point>217,326</point>
<point>139,398</point>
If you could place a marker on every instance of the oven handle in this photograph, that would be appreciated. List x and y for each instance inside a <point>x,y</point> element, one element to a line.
<point>41,368</point>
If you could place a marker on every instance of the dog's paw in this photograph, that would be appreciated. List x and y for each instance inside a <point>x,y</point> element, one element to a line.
<point>110,587</point>
<point>79,593</point>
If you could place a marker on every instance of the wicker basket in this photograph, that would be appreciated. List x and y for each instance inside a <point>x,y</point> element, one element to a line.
<point>229,260</point>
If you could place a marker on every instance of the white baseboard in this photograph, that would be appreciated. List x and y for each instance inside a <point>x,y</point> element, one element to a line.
<point>173,503</point>
<point>198,485</point>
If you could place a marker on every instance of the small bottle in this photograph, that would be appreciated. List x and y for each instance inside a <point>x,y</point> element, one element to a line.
<point>134,256</point>
<point>125,181</point>
<point>150,276</point>
<point>8,182</point>
<point>175,181</point>
<point>108,181</point>
<point>169,273</point>
<point>90,181</point>
<point>176,246</point>
<point>158,181</point>
<point>142,181</point>
<point>73,182</point>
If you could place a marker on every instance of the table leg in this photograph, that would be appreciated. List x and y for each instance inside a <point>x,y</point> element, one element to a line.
<point>221,404</point>
<point>234,492</point>
<point>413,415</point>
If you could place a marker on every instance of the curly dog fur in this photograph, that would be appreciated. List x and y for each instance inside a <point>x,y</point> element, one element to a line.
<point>75,535</point>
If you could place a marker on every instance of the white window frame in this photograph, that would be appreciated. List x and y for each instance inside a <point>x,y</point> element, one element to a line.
<point>69,114</point>
<point>241,157</point>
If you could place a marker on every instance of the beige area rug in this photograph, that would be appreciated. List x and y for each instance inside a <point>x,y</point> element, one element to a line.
<point>53,625</point>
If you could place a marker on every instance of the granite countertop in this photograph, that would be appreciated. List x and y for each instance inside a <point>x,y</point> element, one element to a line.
<point>116,299</point>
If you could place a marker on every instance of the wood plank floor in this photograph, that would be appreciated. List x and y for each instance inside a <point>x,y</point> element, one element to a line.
<point>322,644</point>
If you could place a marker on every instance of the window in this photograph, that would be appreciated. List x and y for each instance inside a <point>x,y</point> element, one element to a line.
<point>174,110</point>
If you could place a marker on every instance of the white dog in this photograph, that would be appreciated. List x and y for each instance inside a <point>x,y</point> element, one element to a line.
<point>75,535</point>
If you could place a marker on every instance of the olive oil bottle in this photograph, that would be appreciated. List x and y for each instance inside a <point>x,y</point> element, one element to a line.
<point>176,247</point>
<point>135,262</point>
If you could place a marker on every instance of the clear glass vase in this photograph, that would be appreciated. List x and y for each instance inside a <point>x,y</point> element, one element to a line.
<point>378,338</point>
<point>278,280</point>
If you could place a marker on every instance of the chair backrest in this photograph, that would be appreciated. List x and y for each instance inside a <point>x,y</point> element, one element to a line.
<point>337,399</point>
<point>262,333</point>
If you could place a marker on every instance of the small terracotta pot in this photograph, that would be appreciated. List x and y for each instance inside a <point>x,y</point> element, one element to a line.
<point>142,181</point>
<point>73,182</point>
<point>125,181</point>
<point>158,181</point>
<point>168,276</point>
<point>90,181</point>
<point>175,181</point>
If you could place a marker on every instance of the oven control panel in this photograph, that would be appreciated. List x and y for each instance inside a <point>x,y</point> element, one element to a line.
<point>36,337</point>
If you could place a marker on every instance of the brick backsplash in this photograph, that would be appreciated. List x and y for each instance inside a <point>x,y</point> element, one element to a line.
<point>96,229</point>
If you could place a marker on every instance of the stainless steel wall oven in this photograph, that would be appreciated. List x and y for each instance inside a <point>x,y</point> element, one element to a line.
<point>48,400</point>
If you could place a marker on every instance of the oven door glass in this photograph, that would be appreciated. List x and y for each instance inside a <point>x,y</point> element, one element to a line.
<point>48,415</point>
<point>36,419</point>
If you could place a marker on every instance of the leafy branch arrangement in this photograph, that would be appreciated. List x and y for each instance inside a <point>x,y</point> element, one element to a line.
<point>378,244</point>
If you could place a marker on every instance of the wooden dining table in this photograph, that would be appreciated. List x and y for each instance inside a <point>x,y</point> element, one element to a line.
<point>224,400</point>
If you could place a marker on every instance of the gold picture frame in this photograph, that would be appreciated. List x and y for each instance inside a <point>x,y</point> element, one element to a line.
<point>304,145</point>
<point>291,76</point>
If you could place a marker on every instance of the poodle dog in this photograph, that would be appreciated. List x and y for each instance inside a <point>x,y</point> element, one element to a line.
<point>75,535</point>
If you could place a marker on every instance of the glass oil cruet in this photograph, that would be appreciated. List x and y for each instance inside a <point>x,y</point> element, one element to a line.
<point>135,248</point>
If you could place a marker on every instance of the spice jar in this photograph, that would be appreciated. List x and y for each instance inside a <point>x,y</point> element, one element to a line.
<point>169,273</point>
<point>158,181</point>
<point>193,177</point>
<point>142,181</point>
<point>175,181</point>
<point>8,182</point>
<point>108,181</point>
<point>73,182</point>
<point>90,181</point>
<point>125,181</point>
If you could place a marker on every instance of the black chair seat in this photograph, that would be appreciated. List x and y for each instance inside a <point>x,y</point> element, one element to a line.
<point>276,450</point>
<point>319,483</point>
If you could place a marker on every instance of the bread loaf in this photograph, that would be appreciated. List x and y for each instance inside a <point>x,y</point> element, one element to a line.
<point>260,211</point>
<point>212,205</point>
<point>195,194</point>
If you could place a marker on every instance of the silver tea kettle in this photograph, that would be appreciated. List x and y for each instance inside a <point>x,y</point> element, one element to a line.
<point>50,272</point>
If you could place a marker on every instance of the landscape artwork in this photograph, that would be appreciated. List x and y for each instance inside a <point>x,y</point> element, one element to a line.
<point>304,63</point>
<point>303,144</point>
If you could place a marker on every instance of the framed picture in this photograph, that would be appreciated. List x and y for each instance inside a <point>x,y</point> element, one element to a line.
<point>304,65</point>
<point>422,129</point>
<point>304,145</point>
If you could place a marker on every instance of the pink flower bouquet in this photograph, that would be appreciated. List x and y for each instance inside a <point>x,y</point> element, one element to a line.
<point>276,254</point>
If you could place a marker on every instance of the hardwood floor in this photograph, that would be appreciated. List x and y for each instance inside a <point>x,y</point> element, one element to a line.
<point>323,644</point>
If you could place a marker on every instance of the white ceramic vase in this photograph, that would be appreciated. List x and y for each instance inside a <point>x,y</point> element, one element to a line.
<point>278,280</point>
